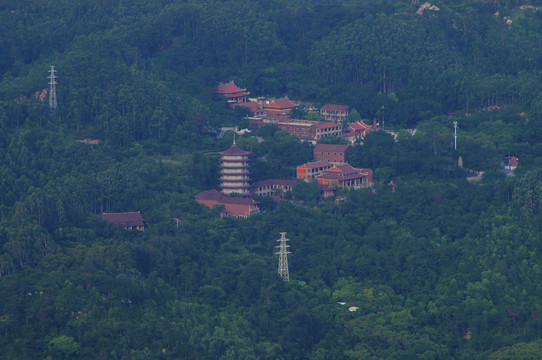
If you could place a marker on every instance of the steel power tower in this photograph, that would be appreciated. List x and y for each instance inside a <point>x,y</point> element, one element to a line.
<point>52,91</point>
<point>283,257</point>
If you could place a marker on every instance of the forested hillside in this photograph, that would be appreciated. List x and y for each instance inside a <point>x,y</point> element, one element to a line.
<point>436,267</point>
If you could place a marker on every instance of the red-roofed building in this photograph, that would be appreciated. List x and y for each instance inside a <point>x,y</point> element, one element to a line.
<point>310,130</point>
<point>272,186</point>
<point>233,206</point>
<point>359,130</point>
<point>311,170</point>
<point>234,165</point>
<point>128,220</point>
<point>301,129</point>
<point>256,110</point>
<point>331,153</point>
<point>280,106</point>
<point>513,162</point>
<point>340,199</point>
<point>326,190</point>
<point>346,176</point>
<point>510,163</point>
<point>335,113</point>
<point>232,92</point>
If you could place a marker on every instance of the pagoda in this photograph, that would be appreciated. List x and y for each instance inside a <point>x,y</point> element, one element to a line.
<point>234,165</point>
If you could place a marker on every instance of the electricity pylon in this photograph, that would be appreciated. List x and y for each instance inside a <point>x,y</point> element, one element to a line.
<point>283,257</point>
<point>52,91</point>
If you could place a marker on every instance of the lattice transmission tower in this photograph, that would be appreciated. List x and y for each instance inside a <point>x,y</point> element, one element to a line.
<point>52,91</point>
<point>283,257</point>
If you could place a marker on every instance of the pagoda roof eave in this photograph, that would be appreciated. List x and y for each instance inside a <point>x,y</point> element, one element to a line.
<point>233,150</point>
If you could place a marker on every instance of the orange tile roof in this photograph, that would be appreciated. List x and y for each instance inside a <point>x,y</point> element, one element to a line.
<point>316,164</point>
<point>324,125</point>
<point>234,150</point>
<point>359,126</point>
<point>325,187</point>
<point>228,88</point>
<point>281,104</point>
<point>209,195</point>
<point>347,169</point>
<point>223,198</point>
<point>236,95</point>
<point>251,105</point>
<point>125,218</point>
<point>335,107</point>
<point>331,147</point>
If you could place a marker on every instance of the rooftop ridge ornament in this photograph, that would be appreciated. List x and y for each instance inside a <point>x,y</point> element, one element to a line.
<point>283,257</point>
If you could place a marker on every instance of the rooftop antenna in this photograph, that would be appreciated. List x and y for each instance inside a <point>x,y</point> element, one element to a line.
<point>283,257</point>
<point>234,138</point>
<point>455,135</point>
<point>52,91</point>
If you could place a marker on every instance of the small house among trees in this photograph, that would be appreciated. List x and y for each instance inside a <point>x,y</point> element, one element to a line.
<point>128,220</point>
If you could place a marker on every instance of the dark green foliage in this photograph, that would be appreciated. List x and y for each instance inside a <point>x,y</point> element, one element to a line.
<point>306,191</point>
<point>332,140</point>
<point>424,264</point>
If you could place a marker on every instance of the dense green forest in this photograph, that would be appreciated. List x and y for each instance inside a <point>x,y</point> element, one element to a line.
<point>439,268</point>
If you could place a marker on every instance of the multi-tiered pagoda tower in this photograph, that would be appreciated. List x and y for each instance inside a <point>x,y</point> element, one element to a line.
<point>234,165</point>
